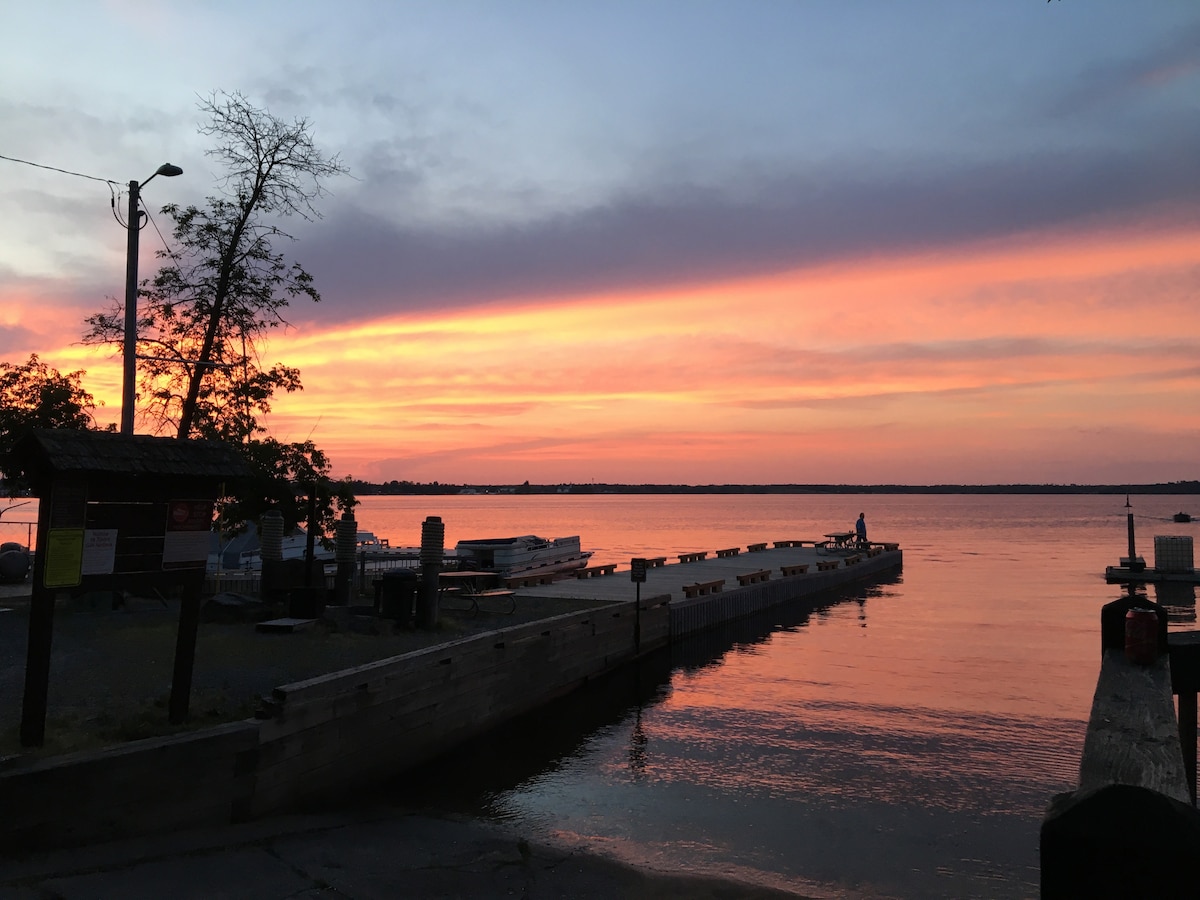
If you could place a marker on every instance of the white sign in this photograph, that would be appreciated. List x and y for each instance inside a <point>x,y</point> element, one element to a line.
<point>99,551</point>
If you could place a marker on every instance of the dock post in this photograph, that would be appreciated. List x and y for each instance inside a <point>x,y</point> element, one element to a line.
<point>1185,683</point>
<point>347,534</point>
<point>433,540</point>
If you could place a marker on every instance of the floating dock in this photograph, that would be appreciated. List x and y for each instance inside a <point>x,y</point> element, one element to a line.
<point>1172,563</point>
<point>727,584</point>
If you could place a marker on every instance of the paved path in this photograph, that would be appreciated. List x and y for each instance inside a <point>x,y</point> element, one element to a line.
<point>359,855</point>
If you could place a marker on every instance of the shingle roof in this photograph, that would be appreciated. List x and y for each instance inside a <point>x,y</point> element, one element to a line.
<point>99,452</point>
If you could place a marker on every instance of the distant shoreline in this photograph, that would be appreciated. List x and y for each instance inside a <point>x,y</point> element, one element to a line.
<point>404,488</point>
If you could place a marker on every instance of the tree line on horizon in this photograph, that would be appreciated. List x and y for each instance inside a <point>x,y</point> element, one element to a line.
<point>393,488</point>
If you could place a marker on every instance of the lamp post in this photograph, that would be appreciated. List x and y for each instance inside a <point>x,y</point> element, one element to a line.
<point>131,270</point>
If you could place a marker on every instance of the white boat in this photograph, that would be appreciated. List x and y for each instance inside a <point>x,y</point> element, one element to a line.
<point>521,555</point>
<point>244,552</point>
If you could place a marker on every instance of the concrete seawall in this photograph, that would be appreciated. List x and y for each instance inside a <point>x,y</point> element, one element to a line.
<point>317,738</point>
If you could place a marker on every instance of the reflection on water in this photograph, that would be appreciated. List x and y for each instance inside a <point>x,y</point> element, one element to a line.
<point>1179,600</point>
<point>902,740</point>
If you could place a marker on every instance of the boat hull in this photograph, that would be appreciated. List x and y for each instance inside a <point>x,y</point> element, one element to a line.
<point>522,555</point>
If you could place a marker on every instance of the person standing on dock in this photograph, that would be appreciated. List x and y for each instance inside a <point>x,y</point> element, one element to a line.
<point>860,528</point>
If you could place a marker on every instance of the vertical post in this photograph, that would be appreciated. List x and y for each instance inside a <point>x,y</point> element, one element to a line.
<point>270,534</point>
<point>433,540</point>
<point>41,633</point>
<point>1129,528</point>
<point>1187,737</point>
<point>310,538</point>
<point>347,535</point>
<point>129,377</point>
<point>637,619</point>
<point>185,652</point>
<point>637,574</point>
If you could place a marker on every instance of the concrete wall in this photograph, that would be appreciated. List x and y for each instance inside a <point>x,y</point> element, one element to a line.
<point>321,736</point>
<point>158,784</point>
<point>697,613</point>
<point>328,733</point>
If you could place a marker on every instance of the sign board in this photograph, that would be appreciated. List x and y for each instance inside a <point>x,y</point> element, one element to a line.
<point>637,570</point>
<point>186,542</point>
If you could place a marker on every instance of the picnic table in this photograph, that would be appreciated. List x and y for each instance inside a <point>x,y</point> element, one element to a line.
<point>466,585</point>
<point>840,540</point>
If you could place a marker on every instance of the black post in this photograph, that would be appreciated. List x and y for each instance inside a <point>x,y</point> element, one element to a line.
<point>185,653</point>
<point>1185,683</point>
<point>310,537</point>
<point>129,349</point>
<point>637,619</point>
<point>347,539</point>
<point>41,634</point>
<point>1187,737</point>
<point>433,541</point>
<point>1129,528</point>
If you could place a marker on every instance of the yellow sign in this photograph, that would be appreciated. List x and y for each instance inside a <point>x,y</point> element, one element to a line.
<point>64,557</point>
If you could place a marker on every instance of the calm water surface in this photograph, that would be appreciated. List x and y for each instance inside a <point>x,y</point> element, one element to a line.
<point>902,740</point>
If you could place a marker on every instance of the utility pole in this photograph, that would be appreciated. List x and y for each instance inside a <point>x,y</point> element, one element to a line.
<point>133,224</point>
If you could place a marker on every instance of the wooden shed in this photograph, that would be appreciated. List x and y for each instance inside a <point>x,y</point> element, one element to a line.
<point>120,513</point>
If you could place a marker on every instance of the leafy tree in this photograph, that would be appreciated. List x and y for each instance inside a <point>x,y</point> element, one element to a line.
<point>285,475</point>
<point>203,318</point>
<point>34,395</point>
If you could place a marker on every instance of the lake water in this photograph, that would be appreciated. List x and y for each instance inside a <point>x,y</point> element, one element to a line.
<point>902,740</point>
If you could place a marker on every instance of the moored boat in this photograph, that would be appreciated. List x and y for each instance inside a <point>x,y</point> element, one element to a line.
<point>522,555</point>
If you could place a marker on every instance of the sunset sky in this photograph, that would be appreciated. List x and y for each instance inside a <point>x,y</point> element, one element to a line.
<point>663,241</point>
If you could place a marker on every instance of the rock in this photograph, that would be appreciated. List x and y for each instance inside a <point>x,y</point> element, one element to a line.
<point>14,565</point>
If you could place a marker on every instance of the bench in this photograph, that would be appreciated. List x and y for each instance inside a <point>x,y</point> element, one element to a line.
<point>789,571</point>
<point>874,551</point>
<point>596,571</point>
<point>780,544</point>
<point>756,548</point>
<point>692,557</point>
<point>754,577</point>
<point>725,554</point>
<point>851,560</point>
<point>703,587</point>
<point>824,565</point>
<point>655,561</point>
<point>890,547</point>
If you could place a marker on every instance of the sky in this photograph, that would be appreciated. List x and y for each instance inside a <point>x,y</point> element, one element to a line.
<point>662,241</point>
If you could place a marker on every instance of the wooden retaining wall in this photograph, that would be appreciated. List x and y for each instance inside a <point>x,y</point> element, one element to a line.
<point>322,736</point>
<point>707,611</point>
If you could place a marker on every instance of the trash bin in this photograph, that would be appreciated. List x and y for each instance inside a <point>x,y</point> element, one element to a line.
<point>306,602</point>
<point>397,594</point>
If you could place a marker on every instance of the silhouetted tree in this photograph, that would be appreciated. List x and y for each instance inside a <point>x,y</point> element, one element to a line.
<point>34,395</point>
<point>202,318</point>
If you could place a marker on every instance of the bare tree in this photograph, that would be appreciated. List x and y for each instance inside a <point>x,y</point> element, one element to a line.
<point>202,318</point>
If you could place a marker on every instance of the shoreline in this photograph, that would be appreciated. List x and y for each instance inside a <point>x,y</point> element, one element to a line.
<point>357,853</point>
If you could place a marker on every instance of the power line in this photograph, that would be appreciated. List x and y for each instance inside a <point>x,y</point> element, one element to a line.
<point>26,162</point>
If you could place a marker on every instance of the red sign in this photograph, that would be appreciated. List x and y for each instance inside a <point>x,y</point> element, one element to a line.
<point>189,515</point>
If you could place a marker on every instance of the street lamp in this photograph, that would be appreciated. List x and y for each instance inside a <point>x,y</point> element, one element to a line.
<point>131,271</point>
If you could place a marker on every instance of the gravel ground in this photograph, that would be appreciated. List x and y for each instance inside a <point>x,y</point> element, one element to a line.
<point>110,672</point>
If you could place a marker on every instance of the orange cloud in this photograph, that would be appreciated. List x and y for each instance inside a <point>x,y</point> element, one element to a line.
<point>1032,359</point>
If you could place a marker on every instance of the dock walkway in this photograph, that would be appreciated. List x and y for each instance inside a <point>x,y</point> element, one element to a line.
<point>705,592</point>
